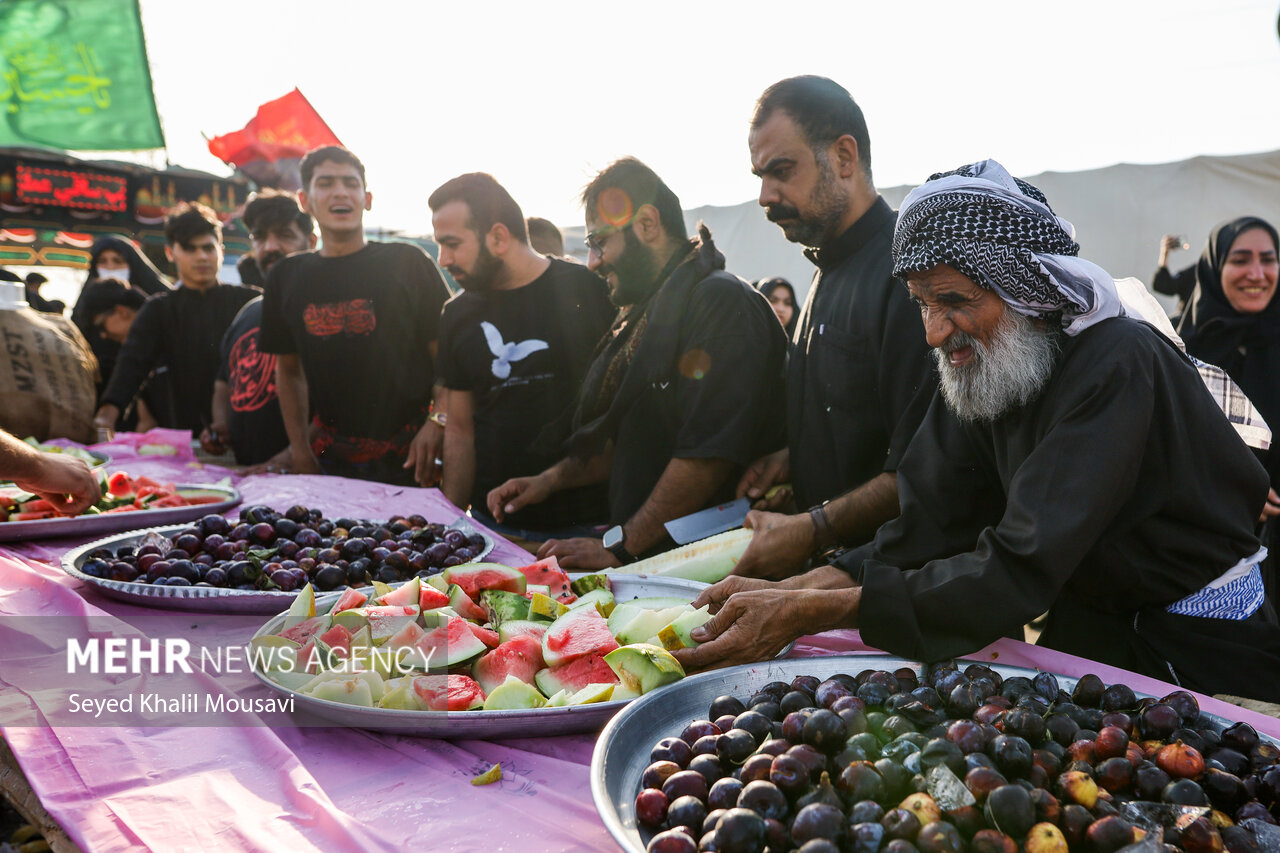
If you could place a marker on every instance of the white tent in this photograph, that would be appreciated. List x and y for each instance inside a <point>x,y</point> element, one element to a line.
<point>1120,213</point>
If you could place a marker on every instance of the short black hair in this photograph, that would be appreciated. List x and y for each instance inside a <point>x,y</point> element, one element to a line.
<point>822,109</point>
<point>329,154</point>
<point>188,221</point>
<point>272,208</point>
<point>642,186</point>
<point>544,232</point>
<point>104,294</point>
<point>488,201</point>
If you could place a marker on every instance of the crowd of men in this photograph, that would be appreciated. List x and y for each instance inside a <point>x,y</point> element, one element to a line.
<point>1035,445</point>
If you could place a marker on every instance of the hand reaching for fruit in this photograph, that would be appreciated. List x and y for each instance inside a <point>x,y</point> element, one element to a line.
<point>424,454</point>
<point>63,481</point>
<point>580,553</point>
<point>762,475</point>
<point>779,546</point>
<point>515,494</point>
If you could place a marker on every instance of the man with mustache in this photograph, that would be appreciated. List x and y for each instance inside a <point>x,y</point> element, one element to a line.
<point>1074,463</point>
<point>858,376</point>
<point>680,394</point>
<point>246,408</point>
<point>514,347</point>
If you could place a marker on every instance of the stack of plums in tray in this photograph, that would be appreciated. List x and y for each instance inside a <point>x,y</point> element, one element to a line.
<point>268,550</point>
<point>967,761</point>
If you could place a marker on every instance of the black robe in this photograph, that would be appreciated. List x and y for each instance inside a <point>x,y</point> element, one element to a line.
<point>1119,491</point>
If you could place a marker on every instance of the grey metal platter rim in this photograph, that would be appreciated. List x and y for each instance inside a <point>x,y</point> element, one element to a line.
<point>199,598</point>
<point>113,522</point>
<point>622,751</point>
<point>535,722</point>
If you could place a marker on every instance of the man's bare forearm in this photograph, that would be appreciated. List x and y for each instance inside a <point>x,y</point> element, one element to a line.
<point>686,485</point>
<point>823,577</point>
<point>570,472</point>
<point>221,405</point>
<point>856,515</point>
<point>459,450</point>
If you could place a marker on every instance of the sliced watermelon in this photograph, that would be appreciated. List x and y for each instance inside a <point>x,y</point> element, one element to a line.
<point>406,637</point>
<point>574,676</point>
<point>429,598</point>
<point>308,660</point>
<point>523,628</point>
<point>306,630</point>
<point>547,573</point>
<point>338,639</point>
<point>404,594</point>
<point>519,656</point>
<point>448,693</point>
<point>386,621</point>
<point>476,577</point>
<point>450,644</point>
<point>464,605</point>
<point>120,485</point>
<point>32,516</point>
<point>576,634</point>
<point>488,636</point>
<point>350,600</point>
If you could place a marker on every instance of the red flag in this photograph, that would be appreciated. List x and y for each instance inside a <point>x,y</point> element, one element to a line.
<point>283,129</point>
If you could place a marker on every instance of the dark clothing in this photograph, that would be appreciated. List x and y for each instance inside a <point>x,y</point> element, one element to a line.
<point>1179,284</point>
<point>522,354</point>
<point>703,382</point>
<point>1121,490</point>
<point>256,427</point>
<point>860,374</point>
<point>182,330</point>
<point>361,325</point>
<point>48,306</point>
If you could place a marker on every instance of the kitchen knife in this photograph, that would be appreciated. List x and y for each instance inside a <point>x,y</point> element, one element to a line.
<point>708,522</point>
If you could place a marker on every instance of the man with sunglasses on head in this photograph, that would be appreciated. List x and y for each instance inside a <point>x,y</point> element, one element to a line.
<point>683,390</point>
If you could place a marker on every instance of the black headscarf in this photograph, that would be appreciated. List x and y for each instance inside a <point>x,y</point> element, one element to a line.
<point>1246,346</point>
<point>142,273</point>
<point>768,285</point>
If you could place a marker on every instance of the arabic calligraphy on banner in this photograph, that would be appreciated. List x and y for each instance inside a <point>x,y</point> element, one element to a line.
<point>74,74</point>
<point>74,189</point>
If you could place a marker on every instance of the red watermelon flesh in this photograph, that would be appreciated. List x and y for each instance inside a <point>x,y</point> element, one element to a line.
<point>547,573</point>
<point>574,676</point>
<point>429,598</point>
<point>519,656</point>
<point>306,630</point>
<point>474,578</point>
<point>449,644</point>
<point>448,693</point>
<point>305,658</point>
<point>338,638</point>
<point>351,599</point>
<point>488,636</point>
<point>576,634</point>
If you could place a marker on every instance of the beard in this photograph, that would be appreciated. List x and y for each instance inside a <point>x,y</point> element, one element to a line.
<point>1004,374</point>
<point>636,269</point>
<point>827,204</point>
<point>482,275</point>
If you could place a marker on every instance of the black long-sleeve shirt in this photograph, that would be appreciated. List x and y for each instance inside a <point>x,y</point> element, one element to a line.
<point>860,375</point>
<point>181,329</point>
<point>1179,284</point>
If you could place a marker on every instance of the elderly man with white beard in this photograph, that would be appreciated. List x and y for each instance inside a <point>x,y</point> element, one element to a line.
<point>1073,462</point>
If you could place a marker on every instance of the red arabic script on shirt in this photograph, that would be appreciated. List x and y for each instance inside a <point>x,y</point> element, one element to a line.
<point>355,317</point>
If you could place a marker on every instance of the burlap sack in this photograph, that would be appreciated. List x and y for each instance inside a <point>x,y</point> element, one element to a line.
<point>46,377</point>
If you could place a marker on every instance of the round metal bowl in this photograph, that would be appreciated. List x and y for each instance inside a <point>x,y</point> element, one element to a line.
<point>204,598</point>
<point>622,750</point>
<point>111,522</point>
<point>535,722</point>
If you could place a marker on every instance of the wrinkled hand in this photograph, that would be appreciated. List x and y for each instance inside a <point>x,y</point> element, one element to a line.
<point>779,547</point>
<point>424,452</point>
<point>763,474</point>
<point>751,625</point>
<point>718,593</point>
<point>1272,507</point>
<point>516,494</point>
<point>211,439</point>
<point>580,553</point>
<point>65,482</point>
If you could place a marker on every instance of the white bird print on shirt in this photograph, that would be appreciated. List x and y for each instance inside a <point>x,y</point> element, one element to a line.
<point>505,353</point>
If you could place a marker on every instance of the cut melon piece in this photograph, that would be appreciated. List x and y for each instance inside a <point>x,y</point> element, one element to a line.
<point>402,698</point>
<point>351,598</point>
<point>574,676</point>
<point>558,700</point>
<point>643,667</point>
<point>583,585</point>
<point>488,636</point>
<point>625,611</point>
<point>576,634</point>
<point>448,693</point>
<point>477,577</point>
<point>362,638</point>
<point>385,622</point>
<point>270,653</point>
<point>502,606</point>
<point>449,645</point>
<point>545,607</point>
<point>533,589</point>
<point>523,628</point>
<point>519,656</point>
<point>302,609</point>
<point>592,693</point>
<point>647,623</point>
<point>429,598</point>
<point>404,594</point>
<point>338,639</point>
<point>602,599</point>
<point>353,620</point>
<point>406,637</point>
<point>349,691</point>
<point>303,632</point>
<point>463,605</point>
<point>676,635</point>
<point>513,694</point>
<point>548,573</point>
<point>707,560</point>
<point>438,583</point>
<point>289,679</point>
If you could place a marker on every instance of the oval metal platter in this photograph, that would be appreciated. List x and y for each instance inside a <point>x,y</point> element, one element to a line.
<point>204,598</point>
<point>112,522</point>
<point>536,722</point>
<point>622,750</point>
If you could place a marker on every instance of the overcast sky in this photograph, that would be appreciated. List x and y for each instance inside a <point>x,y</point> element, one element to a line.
<point>544,94</point>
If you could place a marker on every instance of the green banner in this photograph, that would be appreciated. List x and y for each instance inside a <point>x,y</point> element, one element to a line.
<point>74,74</point>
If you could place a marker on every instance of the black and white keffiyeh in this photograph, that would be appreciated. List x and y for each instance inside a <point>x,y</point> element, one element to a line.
<point>1000,232</point>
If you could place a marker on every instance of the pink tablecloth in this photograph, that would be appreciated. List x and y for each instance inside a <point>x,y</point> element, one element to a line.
<point>255,787</point>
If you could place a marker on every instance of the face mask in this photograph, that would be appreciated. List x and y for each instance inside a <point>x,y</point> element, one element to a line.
<point>121,274</point>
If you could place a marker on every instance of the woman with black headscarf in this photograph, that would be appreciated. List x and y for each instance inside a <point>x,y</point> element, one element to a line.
<point>1233,321</point>
<point>782,299</point>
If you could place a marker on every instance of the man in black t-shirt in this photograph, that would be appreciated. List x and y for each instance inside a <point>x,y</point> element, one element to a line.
<point>246,409</point>
<point>684,388</point>
<point>354,326</point>
<point>514,346</point>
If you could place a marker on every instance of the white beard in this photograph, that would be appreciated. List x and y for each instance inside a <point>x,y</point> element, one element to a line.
<point>1008,373</point>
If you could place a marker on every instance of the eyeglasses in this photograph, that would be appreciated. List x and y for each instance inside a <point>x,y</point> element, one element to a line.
<point>595,238</point>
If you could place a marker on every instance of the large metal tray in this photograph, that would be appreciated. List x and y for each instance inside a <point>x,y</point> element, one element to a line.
<point>203,598</point>
<point>112,522</point>
<point>536,722</point>
<point>622,750</point>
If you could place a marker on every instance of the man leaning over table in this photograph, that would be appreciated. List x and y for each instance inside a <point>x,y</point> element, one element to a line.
<point>1074,463</point>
